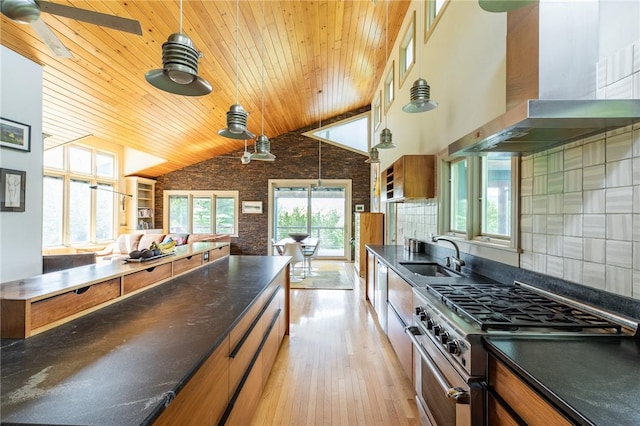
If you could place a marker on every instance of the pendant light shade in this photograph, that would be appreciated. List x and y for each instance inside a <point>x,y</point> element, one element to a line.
<point>373,156</point>
<point>179,73</point>
<point>237,116</point>
<point>236,124</point>
<point>386,140</point>
<point>420,101</point>
<point>263,146</point>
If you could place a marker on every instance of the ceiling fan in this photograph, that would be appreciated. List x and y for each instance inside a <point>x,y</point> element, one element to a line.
<point>28,12</point>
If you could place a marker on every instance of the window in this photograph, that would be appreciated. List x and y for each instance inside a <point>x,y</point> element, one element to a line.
<point>377,112</point>
<point>201,212</point>
<point>481,198</point>
<point>408,49</point>
<point>389,93</point>
<point>79,202</point>
<point>459,197</point>
<point>433,9</point>
<point>495,205</point>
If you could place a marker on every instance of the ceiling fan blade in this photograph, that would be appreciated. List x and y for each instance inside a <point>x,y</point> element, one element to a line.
<point>91,17</point>
<point>50,39</point>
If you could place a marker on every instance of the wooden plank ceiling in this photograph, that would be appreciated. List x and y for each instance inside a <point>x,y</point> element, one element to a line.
<point>321,58</point>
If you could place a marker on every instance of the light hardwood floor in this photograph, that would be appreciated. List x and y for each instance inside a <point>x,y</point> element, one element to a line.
<point>336,367</point>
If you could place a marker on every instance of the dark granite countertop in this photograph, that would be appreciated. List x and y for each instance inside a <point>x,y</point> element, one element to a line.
<point>596,380</point>
<point>121,364</point>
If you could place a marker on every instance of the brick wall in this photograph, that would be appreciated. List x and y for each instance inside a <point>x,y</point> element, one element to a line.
<point>297,158</point>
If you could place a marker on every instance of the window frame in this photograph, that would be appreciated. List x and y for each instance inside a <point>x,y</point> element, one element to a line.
<point>389,88</point>
<point>92,178</point>
<point>432,15</point>
<point>409,39</point>
<point>200,194</point>
<point>377,111</point>
<point>472,233</point>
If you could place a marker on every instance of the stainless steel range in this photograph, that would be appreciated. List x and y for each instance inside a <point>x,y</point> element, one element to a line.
<point>449,357</point>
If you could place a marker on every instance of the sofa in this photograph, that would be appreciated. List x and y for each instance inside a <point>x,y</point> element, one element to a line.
<point>126,243</point>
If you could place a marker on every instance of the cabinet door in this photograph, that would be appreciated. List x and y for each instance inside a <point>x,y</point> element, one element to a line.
<point>401,296</point>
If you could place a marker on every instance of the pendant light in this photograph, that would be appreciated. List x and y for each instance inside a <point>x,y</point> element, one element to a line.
<point>373,156</point>
<point>237,116</point>
<point>262,145</point>
<point>386,138</point>
<point>179,73</point>
<point>420,92</point>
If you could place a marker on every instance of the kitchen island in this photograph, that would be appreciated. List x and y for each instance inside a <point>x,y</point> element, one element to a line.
<point>127,363</point>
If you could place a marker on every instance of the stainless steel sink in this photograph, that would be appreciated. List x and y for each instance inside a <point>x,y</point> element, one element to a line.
<point>429,269</point>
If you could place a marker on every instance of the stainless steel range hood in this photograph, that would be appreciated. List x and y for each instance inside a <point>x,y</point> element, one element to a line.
<point>552,56</point>
<point>537,125</point>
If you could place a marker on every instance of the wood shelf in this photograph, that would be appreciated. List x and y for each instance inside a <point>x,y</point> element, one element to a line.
<point>409,177</point>
<point>32,305</point>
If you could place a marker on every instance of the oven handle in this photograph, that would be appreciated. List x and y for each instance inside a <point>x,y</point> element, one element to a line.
<point>458,394</point>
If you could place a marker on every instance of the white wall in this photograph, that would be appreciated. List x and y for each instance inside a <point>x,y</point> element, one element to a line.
<point>464,63</point>
<point>21,232</point>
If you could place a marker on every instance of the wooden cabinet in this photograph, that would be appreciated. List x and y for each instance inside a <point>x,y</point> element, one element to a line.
<point>204,398</point>
<point>33,305</point>
<point>409,177</point>
<point>369,229</point>
<point>519,397</point>
<point>141,206</point>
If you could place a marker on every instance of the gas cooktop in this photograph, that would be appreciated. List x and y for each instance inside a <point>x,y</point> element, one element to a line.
<point>517,307</point>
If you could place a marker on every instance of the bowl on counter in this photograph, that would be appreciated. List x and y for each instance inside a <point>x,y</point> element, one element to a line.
<point>298,237</point>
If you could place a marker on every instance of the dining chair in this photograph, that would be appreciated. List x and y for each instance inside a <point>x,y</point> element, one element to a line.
<point>278,248</point>
<point>295,251</point>
<point>309,254</point>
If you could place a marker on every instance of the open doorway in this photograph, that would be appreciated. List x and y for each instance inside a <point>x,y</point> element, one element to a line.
<point>322,211</point>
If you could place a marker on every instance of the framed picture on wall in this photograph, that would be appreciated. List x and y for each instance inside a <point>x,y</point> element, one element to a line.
<point>12,190</point>
<point>252,207</point>
<point>15,135</point>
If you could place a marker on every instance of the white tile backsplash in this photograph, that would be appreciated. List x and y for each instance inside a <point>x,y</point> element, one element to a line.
<point>573,158</point>
<point>594,226</point>
<point>594,177</point>
<point>595,250</point>
<point>573,225</point>
<point>593,153</point>
<point>594,201</point>
<point>572,202</point>
<point>619,280</point>
<point>573,180</point>
<point>620,227</point>
<point>619,147</point>
<point>572,247</point>
<point>620,173</point>
<point>593,275</point>
<point>619,253</point>
<point>619,200</point>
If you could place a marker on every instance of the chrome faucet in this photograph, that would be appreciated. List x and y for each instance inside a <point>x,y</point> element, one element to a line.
<point>457,262</point>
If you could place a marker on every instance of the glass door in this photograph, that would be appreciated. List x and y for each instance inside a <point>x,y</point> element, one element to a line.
<point>320,211</point>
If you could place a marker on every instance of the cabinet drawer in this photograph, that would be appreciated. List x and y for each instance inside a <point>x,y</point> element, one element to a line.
<point>218,253</point>
<point>401,296</point>
<point>524,400</point>
<point>400,341</point>
<point>242,353</point>
<point>186,263</point>
<point>152,275</point>
<point>58,307</point>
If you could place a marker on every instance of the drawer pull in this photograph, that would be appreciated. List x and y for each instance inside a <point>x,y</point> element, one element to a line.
<point>150,269</point>
<point>81,290</point>
<point>189,257</point>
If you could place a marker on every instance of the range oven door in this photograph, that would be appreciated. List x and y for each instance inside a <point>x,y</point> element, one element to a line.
<point>443,396</point>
